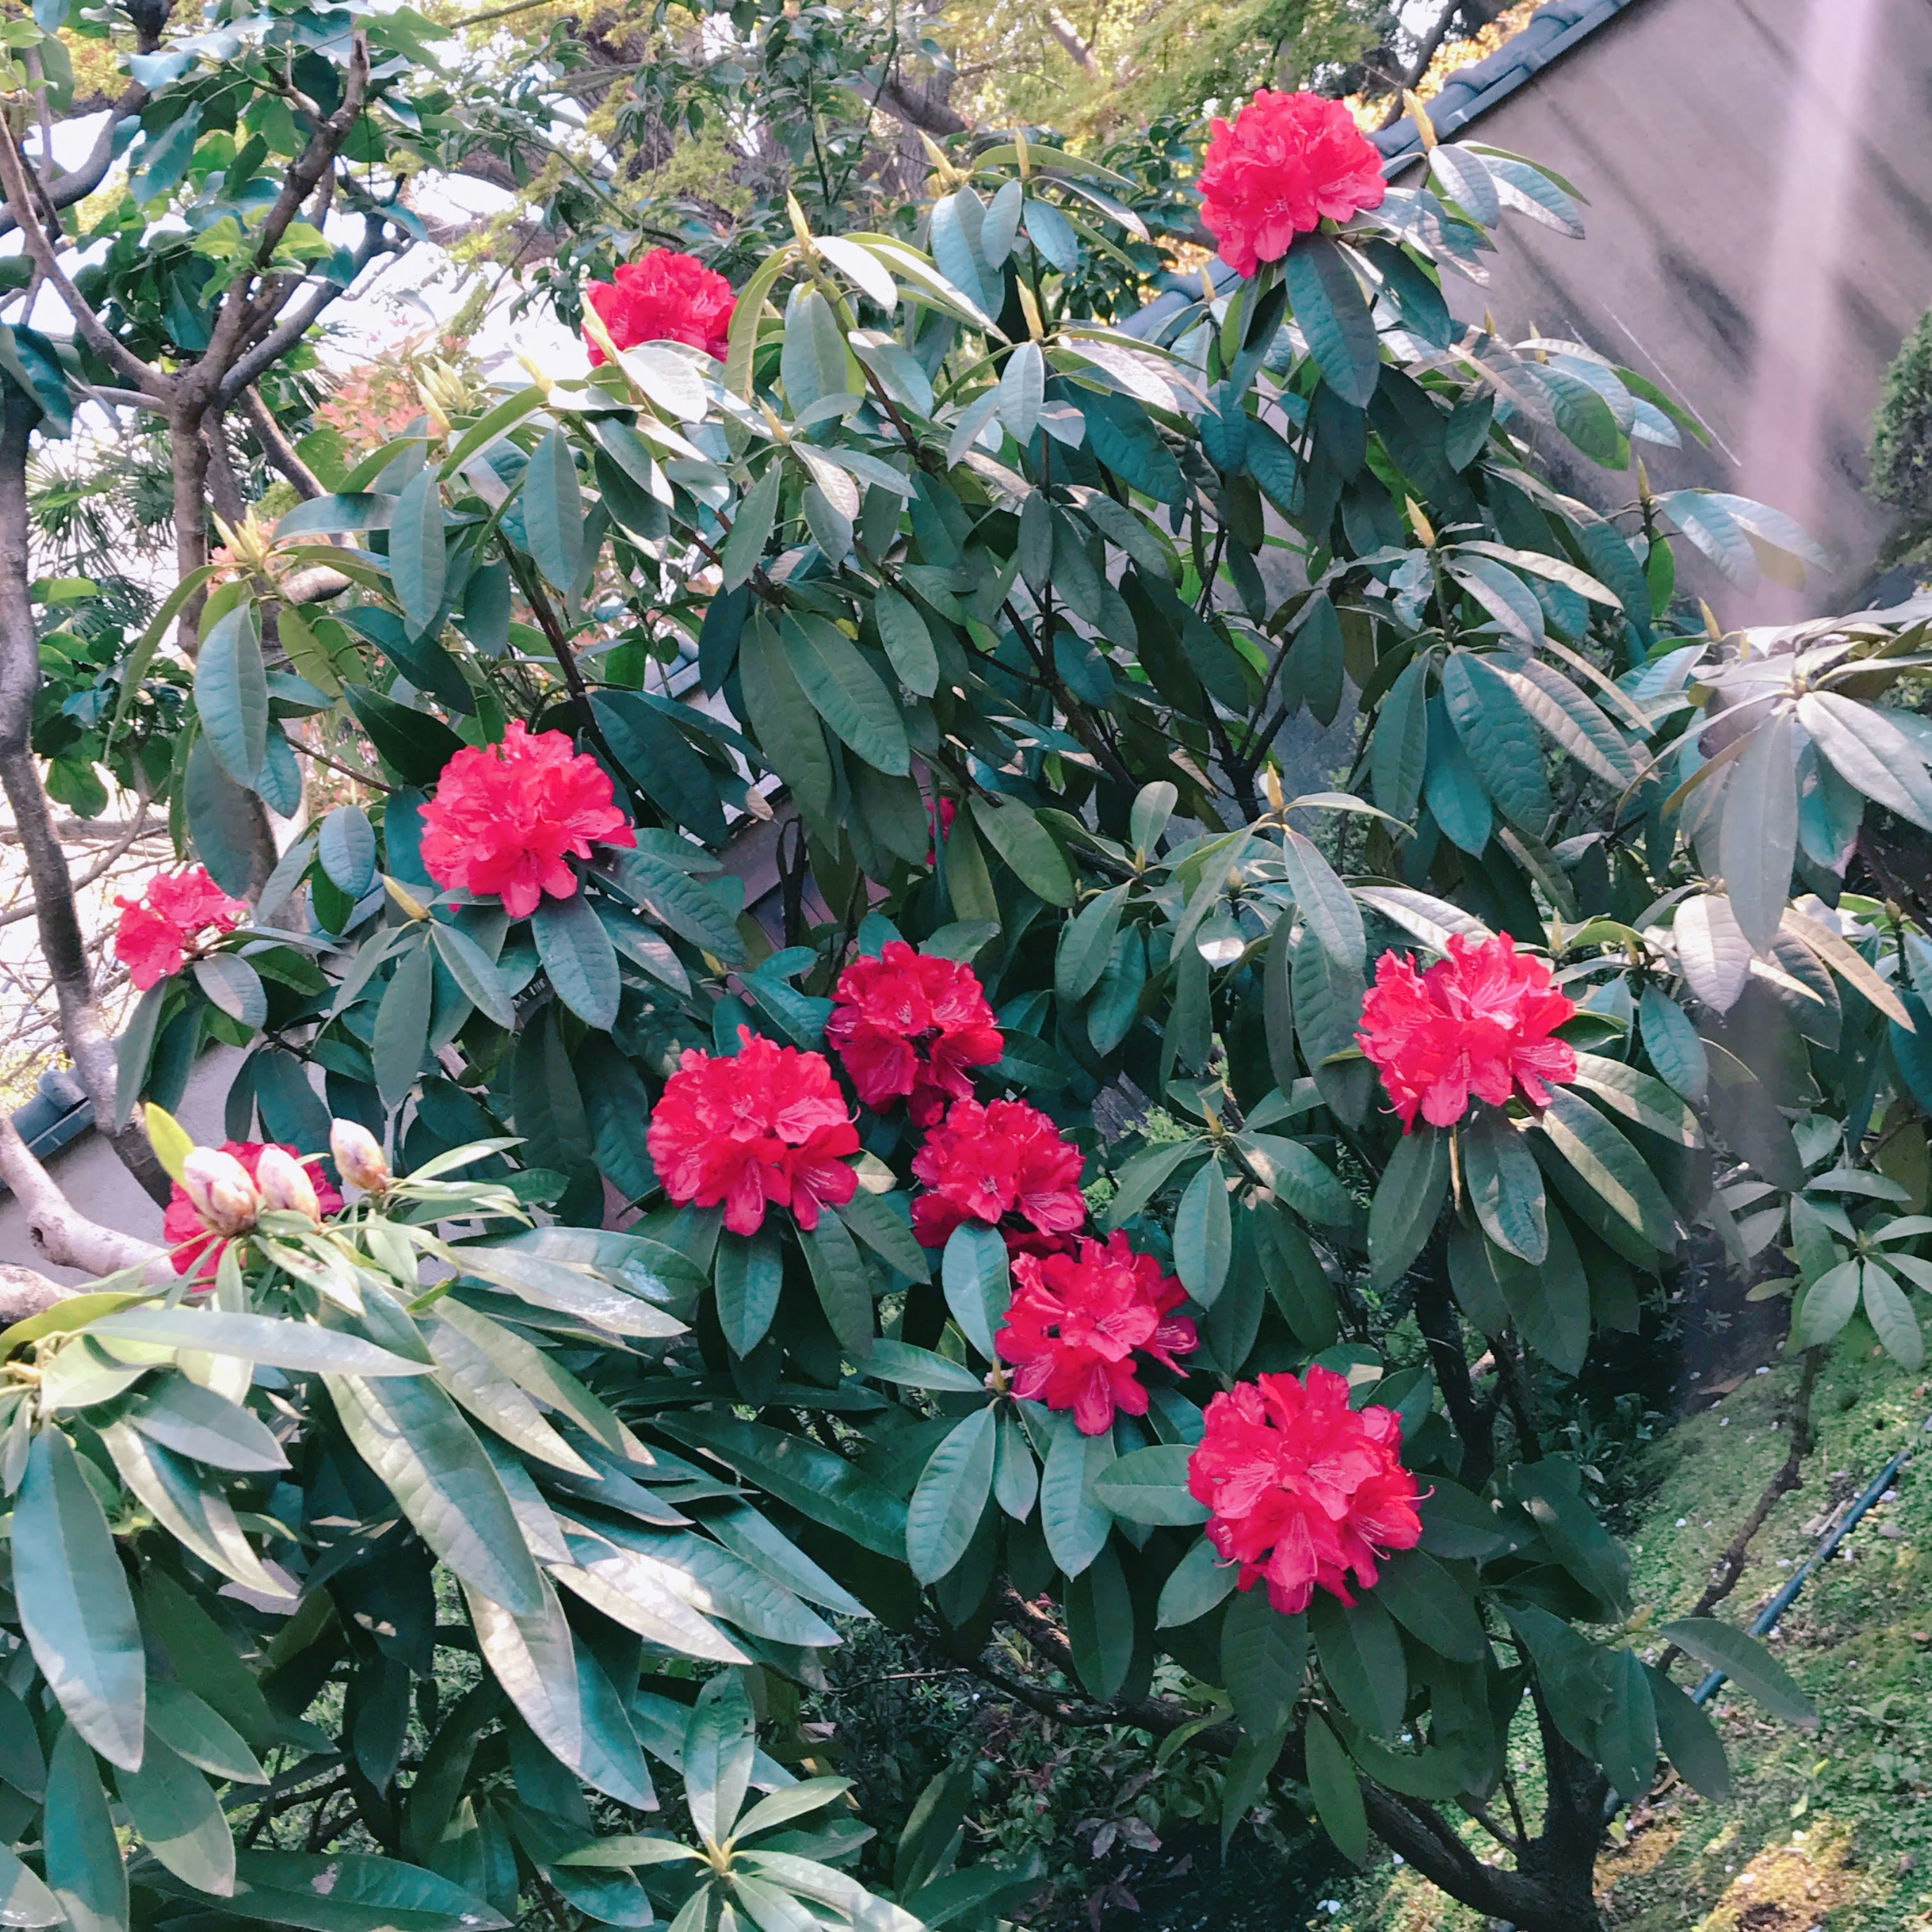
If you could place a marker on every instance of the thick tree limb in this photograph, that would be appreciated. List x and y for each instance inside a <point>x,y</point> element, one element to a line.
<point>64,190</point>
<point>276,447</point>
<point>61,1231</point>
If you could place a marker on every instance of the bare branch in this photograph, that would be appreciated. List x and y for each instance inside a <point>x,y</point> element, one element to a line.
<point>61,1231</point>
<point>278,449</point>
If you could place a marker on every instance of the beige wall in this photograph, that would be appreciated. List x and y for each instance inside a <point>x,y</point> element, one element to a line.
<point>1759,179</point>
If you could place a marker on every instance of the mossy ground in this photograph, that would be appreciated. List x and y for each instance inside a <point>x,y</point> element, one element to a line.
<point>1832,1829</point>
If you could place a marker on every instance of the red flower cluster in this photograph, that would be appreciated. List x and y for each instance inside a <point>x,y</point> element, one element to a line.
<point>505,817</point>
<point>1287,160</point>
<point>157,930</point>
<point>1479,1021</point>
<point>912,1023</point>
<point>197,1248</point>
<point>767,1124</point>
<point>985,1163</point>
<point>1076,1321</point>
<point>1301,1489</point>
<point>665,298</point>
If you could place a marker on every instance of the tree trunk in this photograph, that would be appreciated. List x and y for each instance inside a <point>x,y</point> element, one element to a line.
<point>63,949</point>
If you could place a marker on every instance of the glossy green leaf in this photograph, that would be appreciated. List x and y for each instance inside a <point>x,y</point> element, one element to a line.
<point>75,1606</point>
<point>1016,834</point>
<point>417,564</point>
<point>1627,1732</point>
<point>678,902</point>
<point>1194,1586</point>
<point>1204,1234</point>
<point>354,1891</point>
<point>553,511</point>
<point>1324,901</point>
<point>475,973</point>
<point>179,1819</point>
<point>751,1273</point>
<point>1431,1606</point>
<point>1689,1739</point>
<point>951,1496</point>
<point>1076,1524</point>
<point>846,692</point>
<point>231,695</point>
<point>1360,1654</point>
<point>401,1042</point>
<point>1612,1168</point>
<point>1497,739</point>
<point>1408,1199</point>
<point>1150,1486</point>
<point>1337,1796</point>
<point>844,1283</point>
<point>84,1866</point>
<point>1333,315</point>
<point>578,955</point>
<point>974,1273</point>
<point>1746,1662</point>
<point>878,1220</point>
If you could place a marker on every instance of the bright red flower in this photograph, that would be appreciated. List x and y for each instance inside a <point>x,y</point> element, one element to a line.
<point>197,1249</point>
<point>1301,1488</point>
<point>665,298</point>
<point>1480,1021</point>
<point>911,1023</point>
<point>1286,161</point>
<point>765,1124</point>
<point>157,930</point>
<point>987,1164</point>
<point>506,818</point>
<point>1076,1321</point>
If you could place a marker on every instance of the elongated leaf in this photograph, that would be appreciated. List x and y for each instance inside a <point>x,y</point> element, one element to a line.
<point>1638,1097</point>
<point>1195,1585</point>
<point>553,511</point>
<point>1719,1646</point>
<point>1361,1657</point>
<point>1870,753</point>
<point>1017,834</point>
<point>1408,1199</point>
<point>1337,1796</point>
<point>846,692</point>
<point>1498,739</point>
<point>1505,1185</point>
<point>751,1272</point>
<point>951,1497</point>
<point>844,1283</point>
<point>75,1605</point>
<point>1334,316</point>
<point>877,1221</point>
<point>1429,1603</point>
<point>84,1864</point>
<point>1712,950</point>
<point>1399,755</point>
<point>231,695</point>
<point>1150,1486</point>
<point>1204,1234</point>
<point>474,972</point>
<point>1676,1049</point>
<point>416,561</point>
<point>1613,1168</point>
<point>172,1806</point>
<point>353,1891</point>
<point>1086,943</point>
<point>974,1273</point>
<point>678,902</point>
<point>411,1434</point>
<point>578,955</point>
<point>1757,835</point>
<point>193,1420</point>
<point>1689,1738</point>
<point>402,1025</point>
<point>908,643</point>
<point>1894,1321</point>
<point>276,1343</point>
<point>1325,902</point>
<point>720,1745</point>
<point>1076,1524</point>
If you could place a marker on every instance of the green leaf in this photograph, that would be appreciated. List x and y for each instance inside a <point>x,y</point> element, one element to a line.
<point>192,1730</point>
<point>1497,738</point>
<point>172,1806</point>
<point>1505,1185</point>
<point>951,1497</point>
<point>814,362</point>
<point>401,1041</point>
<point>1019,838</point>
<point>1639,1098</point>
<point>900,1362</point>
<point>1143,1177</point>
<point>412,1435</point>
<point>266,1339</point>
<point>74,1604</point>
<point>1263,1655</point>
<point>908,643</point>
<point>24,1899</point>
<point>1086,943</point>
<point>1361,1653</point>
<point>843,1283</point>
<point>1894,1321</point>
<point>822,1486</point>
<point>1747,1663</point>
<point>346,847</point>
<point>1332,1783</point>
<point>1552,1491</point>
<point>1408,1199</point>
<point>1757,832</point>
<point>1334,317</point>
<point>1627,1732</point>
<point>1299,1177</point>
<point>231,695</point>
<point>1076,1525</point>
<point>1431,1606</point>
<point>417,564</point>
<point>1195,1585</point>
<point>414,745</point>
<point>1150,1486</point>
<point>475,973</point>
<point>750,1274</point>
<point>1100,1625</point>
<point>1549,1300</point>
<point>978,1286</point>
<point>1870,753</point>
<point>83,1859</point>
<point>720,1750</point>
<point>676,900</point>
<point>1326,905</point>
<point>553,511</point>
<point>1689,1738</point>
<point>223,820</point>
<point>884,1229</point>
<point>1204,1234</point>
<point>846,692</point>
<point>353,1891</point>
<point>234,985</point>
<point>751,528</point>
<point>659,760</point>
<point>535,1661</point>
<point>1611,1166</point>
<point>578,955</point>
<point>1399,753</point>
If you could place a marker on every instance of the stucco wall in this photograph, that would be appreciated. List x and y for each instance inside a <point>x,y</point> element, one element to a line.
<point>1760,241</point>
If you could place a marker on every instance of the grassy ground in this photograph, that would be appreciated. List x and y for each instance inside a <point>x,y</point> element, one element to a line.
<point>1832,1830</point>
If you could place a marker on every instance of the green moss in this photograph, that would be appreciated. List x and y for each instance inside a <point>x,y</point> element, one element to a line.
<point>1833,1827</point>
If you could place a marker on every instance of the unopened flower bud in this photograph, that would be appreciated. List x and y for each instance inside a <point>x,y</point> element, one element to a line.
<point>359,1154</point>
<point>286,1183</point>
<point>219,1188</point>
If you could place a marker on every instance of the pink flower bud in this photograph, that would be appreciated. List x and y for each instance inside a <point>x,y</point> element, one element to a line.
<point>219,1188</point>
<point>286,1183</point>
<point>359,1154</point>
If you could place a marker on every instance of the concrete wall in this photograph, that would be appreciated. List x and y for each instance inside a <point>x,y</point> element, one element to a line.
<point>1760,241</point>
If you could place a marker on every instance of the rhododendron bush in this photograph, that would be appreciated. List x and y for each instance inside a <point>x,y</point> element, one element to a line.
<point>870,1081</point>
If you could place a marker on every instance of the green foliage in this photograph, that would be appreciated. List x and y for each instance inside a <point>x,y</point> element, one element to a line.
<point>1901,432</point>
